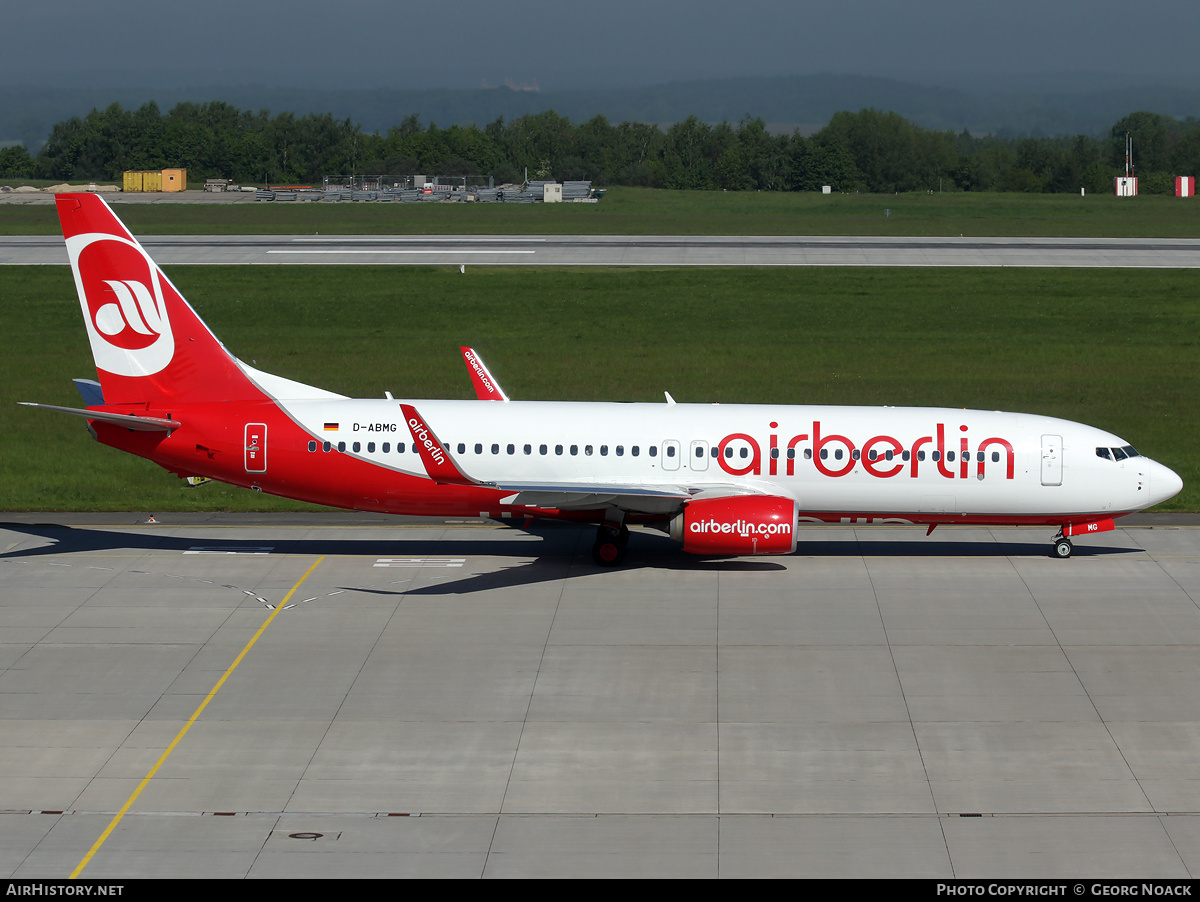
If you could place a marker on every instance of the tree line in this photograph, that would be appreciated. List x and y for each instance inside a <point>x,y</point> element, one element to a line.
<point>870,151</point>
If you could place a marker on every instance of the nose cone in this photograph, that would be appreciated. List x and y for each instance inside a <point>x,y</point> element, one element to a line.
<point>1164,483</point>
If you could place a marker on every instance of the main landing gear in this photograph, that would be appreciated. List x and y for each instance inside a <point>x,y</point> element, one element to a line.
<point>609,549</point>
<point>611,539</point>
<point>1062,546</point>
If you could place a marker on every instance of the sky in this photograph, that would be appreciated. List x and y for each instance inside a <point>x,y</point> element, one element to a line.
<point>563,45</point>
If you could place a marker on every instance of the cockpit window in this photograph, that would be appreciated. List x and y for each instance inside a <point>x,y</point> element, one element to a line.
<point>1104,452</point>
<point>1128,449</point>
<point>1119,454</point>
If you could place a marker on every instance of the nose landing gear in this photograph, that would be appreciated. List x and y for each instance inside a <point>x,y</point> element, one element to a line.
<point>1062,546</point>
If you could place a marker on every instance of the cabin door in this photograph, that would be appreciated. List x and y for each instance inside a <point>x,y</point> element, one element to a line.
<point>1051,460</point>
<point>255,446</point>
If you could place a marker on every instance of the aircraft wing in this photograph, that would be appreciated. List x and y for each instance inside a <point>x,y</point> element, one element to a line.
<point>644,499</point>
<point>441,467</point>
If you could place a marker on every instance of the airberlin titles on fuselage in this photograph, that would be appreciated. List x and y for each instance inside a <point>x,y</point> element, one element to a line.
<point>833,454</point>
<point>883,456</point>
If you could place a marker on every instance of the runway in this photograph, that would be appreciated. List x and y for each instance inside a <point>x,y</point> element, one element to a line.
<point>625,250</point>
<point>460,699</point>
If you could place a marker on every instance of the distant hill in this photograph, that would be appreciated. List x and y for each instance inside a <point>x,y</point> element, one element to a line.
<point>785,103</point>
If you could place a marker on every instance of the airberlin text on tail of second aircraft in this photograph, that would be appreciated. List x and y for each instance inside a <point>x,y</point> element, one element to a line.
<point>880,466</point>
<point>480,372</point>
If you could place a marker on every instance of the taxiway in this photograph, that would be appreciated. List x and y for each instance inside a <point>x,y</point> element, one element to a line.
<point>440,698</point>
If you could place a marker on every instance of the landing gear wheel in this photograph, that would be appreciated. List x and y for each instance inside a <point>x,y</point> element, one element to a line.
<point>1063,547</point>
<point>609,549</point>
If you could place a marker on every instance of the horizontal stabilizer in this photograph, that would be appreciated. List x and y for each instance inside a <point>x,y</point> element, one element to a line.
<point>138,424</point>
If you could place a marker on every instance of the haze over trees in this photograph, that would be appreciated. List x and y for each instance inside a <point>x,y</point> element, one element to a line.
<point>870,150</point>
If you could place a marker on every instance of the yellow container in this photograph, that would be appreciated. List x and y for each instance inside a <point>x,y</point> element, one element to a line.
<point>133,180</point>
<point>174,180</point>
<point>151,181</point>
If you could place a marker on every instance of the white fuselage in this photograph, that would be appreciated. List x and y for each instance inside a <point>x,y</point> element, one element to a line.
<point>1017,465</point>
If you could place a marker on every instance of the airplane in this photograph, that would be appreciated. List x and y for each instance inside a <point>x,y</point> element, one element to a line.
<point>721,479</point>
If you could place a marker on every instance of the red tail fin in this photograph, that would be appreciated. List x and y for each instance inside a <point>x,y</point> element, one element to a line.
<point>148,343</point>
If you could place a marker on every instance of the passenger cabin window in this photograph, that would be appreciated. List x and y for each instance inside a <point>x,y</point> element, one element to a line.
<point>312,446</point>
<point>387,446</point>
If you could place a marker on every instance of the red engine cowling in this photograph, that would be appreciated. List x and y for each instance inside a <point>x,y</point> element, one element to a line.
<point>737,524</point>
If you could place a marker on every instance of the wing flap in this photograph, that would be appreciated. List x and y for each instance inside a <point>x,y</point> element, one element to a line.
<point>642,499</point>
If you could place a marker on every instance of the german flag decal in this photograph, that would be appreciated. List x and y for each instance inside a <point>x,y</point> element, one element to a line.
<point>331,427</point>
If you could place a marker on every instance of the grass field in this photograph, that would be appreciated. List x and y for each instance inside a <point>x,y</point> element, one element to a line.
<point>1113,348</point>
<point>643,211</point>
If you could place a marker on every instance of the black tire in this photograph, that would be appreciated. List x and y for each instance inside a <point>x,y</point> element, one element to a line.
<point>1063,548</point>
<point>609,548</point>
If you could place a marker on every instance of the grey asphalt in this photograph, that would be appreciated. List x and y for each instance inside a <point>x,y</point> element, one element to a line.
<point>624,250</point>
<point>462,699</point>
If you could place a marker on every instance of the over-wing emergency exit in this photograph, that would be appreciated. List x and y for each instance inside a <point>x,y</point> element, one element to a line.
<point>721,479</point>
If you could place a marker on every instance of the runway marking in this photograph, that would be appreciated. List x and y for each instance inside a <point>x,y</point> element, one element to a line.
<point>183,732</point>
<point>415,240</point>
<point>230,549</point>
<point>419,562</point>
<point>420,250</point>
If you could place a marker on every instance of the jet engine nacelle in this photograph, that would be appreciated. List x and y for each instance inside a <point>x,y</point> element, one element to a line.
<point>737,524</point>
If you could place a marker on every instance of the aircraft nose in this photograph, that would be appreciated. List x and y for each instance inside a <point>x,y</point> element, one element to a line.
<point>1164,483</point>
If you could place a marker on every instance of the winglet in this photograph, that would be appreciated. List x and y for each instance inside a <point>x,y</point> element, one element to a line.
<point>434,455</point>
<point>486,386</point>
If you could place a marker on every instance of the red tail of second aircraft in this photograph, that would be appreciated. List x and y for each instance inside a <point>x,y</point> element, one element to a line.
<point>148,343</point>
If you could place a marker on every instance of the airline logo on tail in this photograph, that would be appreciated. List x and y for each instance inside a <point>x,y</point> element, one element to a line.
<point>124,308</point>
